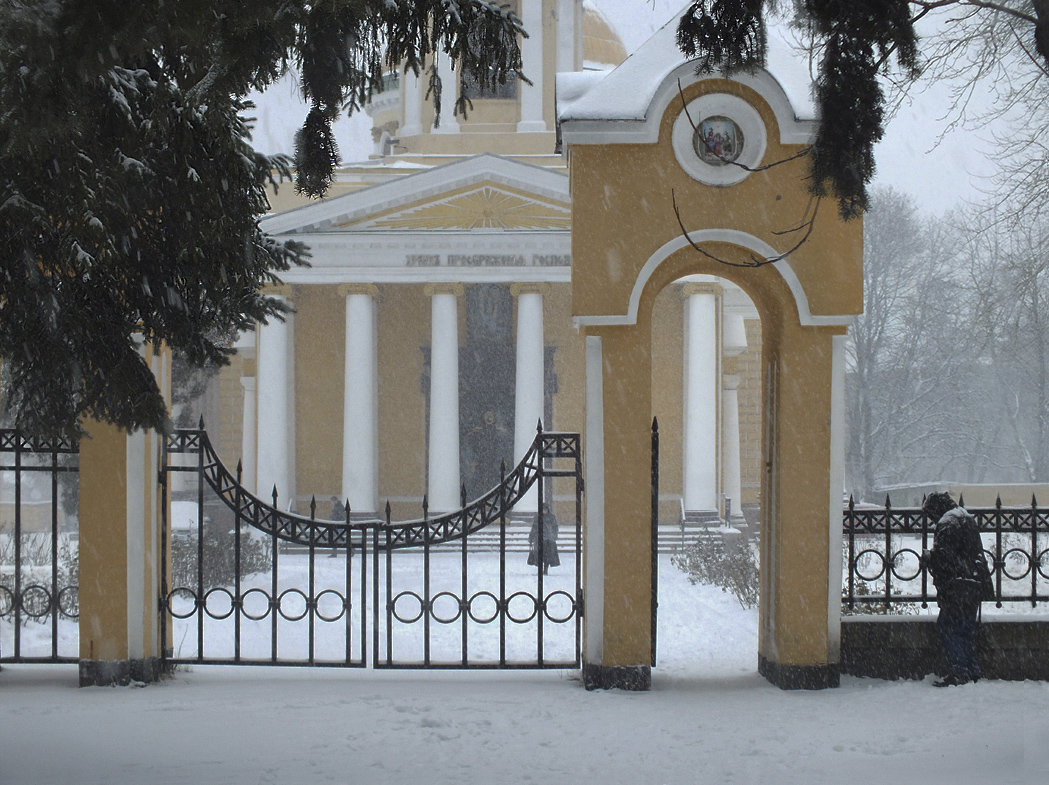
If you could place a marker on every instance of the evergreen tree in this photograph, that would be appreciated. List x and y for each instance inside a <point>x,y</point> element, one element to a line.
<point>129,192</point>
<point>856,42</point>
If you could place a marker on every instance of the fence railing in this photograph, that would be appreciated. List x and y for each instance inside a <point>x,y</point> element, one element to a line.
<point>39,593</point>
<point>883,546</point>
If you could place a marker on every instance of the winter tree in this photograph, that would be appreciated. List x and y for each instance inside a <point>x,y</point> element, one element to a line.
<point>1009,282</point>
<point>130,195</point>
<point>909,411</point>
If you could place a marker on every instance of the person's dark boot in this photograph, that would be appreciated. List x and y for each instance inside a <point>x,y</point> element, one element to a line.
<point>950,681</point>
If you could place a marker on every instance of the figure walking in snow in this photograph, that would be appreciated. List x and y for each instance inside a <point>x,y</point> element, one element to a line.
<point>550,555</point>
<point>962,579</point>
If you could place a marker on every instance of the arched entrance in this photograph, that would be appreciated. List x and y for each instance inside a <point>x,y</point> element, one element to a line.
<point>630,163</point>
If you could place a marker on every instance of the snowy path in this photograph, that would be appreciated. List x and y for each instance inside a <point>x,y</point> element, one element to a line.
<point>708,719</point>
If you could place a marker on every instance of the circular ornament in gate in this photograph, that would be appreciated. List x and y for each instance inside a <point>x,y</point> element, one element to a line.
<point>331,606</point>
<point>255,604</point>
<point>859,557</point>
<point>182,603</point>
<point>69,602</point>
<point>294,614</point>
<point>36,601</point>
<point>718,139</point>
<point>223,607</point>
<point>440,610</point>
<point>905,555</point>
<point>559,601</point>
<point>1016,555</point>
<point>405,619</point>
<point>7,601</point>
<point>521,598</point>
<point>485,597</point>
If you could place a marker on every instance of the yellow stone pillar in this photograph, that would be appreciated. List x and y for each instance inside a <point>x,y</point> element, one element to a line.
<point>799,638</point>
<point>618,546</point>
<point>120,519</point>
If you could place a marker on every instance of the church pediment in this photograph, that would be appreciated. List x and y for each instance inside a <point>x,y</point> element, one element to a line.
<point>488,206</point>
<point>481,193</point>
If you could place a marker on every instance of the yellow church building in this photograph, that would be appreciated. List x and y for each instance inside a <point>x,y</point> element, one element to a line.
<point>433,329</point>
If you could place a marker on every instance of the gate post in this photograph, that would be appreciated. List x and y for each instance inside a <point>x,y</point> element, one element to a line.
<point>618,533</point>
<point>120,515</point>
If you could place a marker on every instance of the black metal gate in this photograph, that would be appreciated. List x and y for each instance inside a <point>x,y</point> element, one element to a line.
<point>246,583</point>
<point>39,592</point>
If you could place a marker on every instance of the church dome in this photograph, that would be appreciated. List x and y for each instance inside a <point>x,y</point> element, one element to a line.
<point>601,46</point>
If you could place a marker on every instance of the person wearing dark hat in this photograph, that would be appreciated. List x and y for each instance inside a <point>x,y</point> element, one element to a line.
<point>962,579</point>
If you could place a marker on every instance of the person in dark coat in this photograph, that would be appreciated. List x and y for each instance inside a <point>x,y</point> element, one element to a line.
<point>550,556</point>
<point>962,579</point>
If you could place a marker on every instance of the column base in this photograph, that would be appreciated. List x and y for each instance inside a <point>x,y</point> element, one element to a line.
<point>799,677</point>
<point>104,673</point>
<point>617,677</point>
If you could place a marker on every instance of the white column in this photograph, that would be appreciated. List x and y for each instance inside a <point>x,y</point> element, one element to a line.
<point>413,106</point>
<point>701,399</point>
<point>449,92</point>
<point>730,443</point>
<point>528,379</point>
<point>248,444</point>
<point>836,477</point>
<point>566,35</point>
<point>532,65</point>
<point>733,343</point>
<point>360,435</point>
<point>443,457</point>
<point>275,431</point>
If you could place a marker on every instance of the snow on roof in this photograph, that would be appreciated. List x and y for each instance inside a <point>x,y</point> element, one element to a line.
<point>627,92</point>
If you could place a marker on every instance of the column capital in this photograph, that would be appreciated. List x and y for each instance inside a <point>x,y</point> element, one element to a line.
<point>248,383</point>
<point>346,289</point>
<point>691,288</point>
<point>444,288</point>
<point>730,381</point>
<point>529,287</point>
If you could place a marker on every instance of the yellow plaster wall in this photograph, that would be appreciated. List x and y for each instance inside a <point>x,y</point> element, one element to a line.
<point>569,362</point>
<point>103,544</point>
<point>403,330</point>
<point>320,356</point>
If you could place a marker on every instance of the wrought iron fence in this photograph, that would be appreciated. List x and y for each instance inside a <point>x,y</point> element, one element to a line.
<point>883,547</point>
<point>314,576</point>
<point>39,593</point>
<point>225,598</point>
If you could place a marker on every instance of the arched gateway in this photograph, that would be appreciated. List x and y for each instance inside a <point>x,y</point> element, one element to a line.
<point>384,254</point>
<point>646,136</point>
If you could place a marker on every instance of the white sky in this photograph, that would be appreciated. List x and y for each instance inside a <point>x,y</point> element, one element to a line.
<point>911,156</point>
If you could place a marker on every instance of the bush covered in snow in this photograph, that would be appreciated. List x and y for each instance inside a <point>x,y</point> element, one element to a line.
<point>725,559</point>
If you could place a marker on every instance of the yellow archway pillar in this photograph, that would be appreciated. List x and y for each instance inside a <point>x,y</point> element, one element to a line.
<point>799,635</point>
<point>119,522</point>
<point>618,534</point>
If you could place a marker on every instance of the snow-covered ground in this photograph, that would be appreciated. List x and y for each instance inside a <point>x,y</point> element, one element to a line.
<point>709,718</point>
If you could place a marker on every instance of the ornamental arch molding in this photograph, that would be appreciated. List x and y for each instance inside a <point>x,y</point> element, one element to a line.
<point>633,189</point>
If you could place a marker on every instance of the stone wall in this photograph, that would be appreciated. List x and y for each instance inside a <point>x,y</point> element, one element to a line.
<point>895,647</point>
